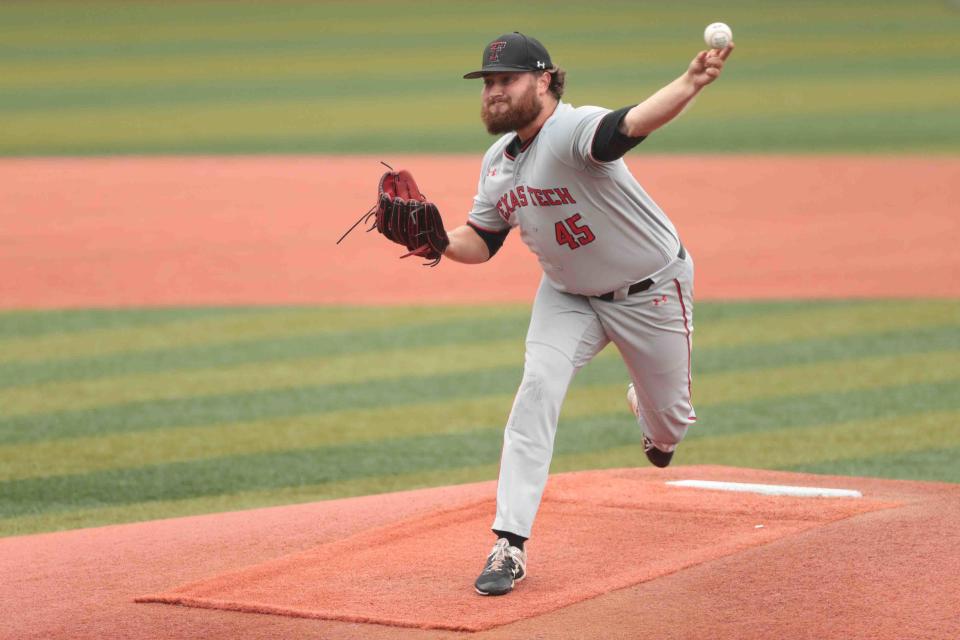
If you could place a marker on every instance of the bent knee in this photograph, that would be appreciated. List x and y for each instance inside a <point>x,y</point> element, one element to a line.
<point>668,428</point>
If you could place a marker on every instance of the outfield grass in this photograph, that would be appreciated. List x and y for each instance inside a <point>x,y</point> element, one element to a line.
<point>113,416</point>
<point>338,77</point>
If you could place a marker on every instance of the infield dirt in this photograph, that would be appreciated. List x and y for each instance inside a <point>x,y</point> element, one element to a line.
<point>262,230</point>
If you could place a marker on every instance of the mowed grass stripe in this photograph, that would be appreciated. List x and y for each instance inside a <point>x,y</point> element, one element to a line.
<point>821,445</point>
<point>851,131</point>
<point>295,36</point>
<point>229,408</point>
<point>371,367</point>
<point>937,464</point>
<point>175,378</point>
<point>785,412</point>
<point>156,509</point>
<point>921,130</point>
<point>232,127</point>
<point>245,325</point>
<point>592,85</point>
<point>784,448</point>
<point>816,322</point>
<point>23,324</point>
<point>584,407</point>
<point>410,335</point>
<point>453,383</point>
<point>297,124</point>
<point>451,451</point>
<point>849,94</point>
<point>922,340</point>
<point>115,24</point>
<point>760,79</point>
<point>18,324</point>
<point>249,472</point>
<point>180,444</point>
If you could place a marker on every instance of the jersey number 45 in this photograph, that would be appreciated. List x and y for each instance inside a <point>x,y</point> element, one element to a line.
<point>572,234</point>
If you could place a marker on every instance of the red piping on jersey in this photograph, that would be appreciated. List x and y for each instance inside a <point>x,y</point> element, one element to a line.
<point>686,327</point>
<point>524,146</point>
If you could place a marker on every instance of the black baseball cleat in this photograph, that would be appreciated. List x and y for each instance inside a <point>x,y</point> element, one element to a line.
<point>657,457</point>
<point>505,567</point>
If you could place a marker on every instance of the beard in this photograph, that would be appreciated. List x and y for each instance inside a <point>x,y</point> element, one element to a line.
<point>516,116</point>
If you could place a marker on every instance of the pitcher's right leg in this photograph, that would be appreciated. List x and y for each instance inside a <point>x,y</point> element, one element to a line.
<point>564,335</point>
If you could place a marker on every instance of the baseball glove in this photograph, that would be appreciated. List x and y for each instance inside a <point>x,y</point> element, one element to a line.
<point>405,216</point>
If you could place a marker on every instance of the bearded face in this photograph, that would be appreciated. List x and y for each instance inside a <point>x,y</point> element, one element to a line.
<point>511,111</point>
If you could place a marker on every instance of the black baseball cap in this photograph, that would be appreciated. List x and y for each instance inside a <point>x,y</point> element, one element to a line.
<point>513,52</point>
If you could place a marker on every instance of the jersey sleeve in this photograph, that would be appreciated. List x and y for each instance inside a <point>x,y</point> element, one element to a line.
<point>484,214</point>
<point>608,143</point>
<point>571,140</point>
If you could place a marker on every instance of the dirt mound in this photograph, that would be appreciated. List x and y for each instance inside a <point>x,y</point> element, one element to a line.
<point>888,573</point>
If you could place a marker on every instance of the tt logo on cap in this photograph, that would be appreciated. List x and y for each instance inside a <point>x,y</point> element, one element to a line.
<point>495,49</point>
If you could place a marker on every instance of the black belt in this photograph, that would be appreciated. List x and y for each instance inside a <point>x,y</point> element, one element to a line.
<point>643,285</point>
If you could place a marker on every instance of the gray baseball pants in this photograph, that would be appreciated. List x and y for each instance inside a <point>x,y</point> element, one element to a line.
<point>653,332</point>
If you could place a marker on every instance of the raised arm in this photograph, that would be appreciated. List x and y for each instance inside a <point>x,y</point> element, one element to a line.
<point>667,103</point>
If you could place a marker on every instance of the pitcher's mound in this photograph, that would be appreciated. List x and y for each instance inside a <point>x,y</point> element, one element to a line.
<point>596,532</point>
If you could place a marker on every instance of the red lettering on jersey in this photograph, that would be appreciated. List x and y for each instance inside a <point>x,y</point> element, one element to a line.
<point>548,194</point>
<point>565,197</point>
<point>583,232</point>
<point>563,236</point>
<point>573,235</point>
<point>514,203</point>
<point>503,214</point>
<point>505,203</point>
<point>538,194</point>
<point>523,196</point>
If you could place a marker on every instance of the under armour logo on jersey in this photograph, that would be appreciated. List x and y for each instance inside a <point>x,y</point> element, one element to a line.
<point>495,49</point>
<point>659,301</point>
<point>541,65</point>
<point>492,172</point>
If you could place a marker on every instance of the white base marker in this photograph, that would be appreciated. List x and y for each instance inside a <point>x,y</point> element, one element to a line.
<point>769,489</point>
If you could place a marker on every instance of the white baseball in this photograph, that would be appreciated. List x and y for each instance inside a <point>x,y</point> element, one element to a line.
<point>717,35</point>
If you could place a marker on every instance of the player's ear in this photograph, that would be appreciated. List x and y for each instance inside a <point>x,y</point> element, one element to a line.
<point>543,82</point>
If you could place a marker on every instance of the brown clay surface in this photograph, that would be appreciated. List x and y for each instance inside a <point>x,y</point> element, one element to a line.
<point>649,530</point>
<point>883,574</point>
<point>255,230</point>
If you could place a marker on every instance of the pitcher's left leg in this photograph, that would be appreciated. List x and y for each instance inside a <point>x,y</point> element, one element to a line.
<point>654,332</point>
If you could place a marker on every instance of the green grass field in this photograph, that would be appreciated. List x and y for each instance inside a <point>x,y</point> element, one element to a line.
<point>112,416</point>
<point>255,77</point>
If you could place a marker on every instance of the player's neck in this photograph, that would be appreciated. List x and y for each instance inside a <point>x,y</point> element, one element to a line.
<point>531,129</point>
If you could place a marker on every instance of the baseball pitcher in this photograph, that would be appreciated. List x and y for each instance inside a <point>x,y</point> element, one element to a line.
<point>614,269</point>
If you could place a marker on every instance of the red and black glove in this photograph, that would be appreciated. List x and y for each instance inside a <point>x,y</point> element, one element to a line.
<point>405,216</point>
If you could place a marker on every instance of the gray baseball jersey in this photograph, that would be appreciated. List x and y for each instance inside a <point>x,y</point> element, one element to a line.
<point>591,225</point>
<point>596,232</point>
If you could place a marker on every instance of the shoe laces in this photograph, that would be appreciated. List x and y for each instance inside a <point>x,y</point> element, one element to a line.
<point>647,443</point>
<point>499,555</point>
